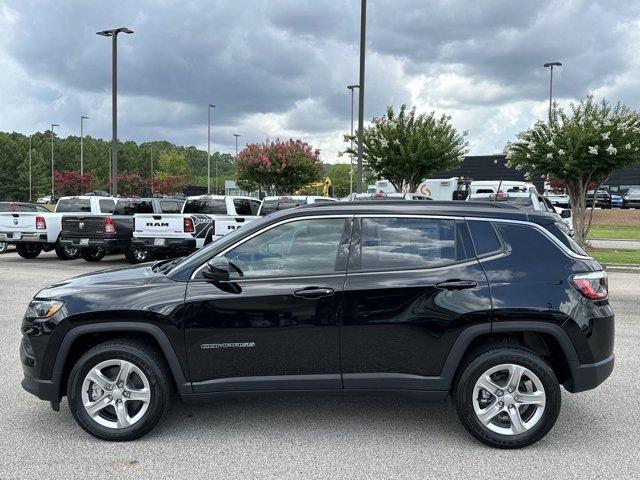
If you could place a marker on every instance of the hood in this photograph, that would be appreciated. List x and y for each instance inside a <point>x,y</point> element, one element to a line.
<point>123,277</point>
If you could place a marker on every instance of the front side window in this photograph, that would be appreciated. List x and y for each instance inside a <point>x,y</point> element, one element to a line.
<point>303,247</point>
<point>408,243</point>
<point>74,205</point>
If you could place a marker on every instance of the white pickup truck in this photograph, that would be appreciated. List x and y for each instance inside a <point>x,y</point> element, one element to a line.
<point>203,218</point>
<point>34,232</point>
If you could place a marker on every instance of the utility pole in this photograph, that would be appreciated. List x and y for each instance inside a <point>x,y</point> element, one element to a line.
<point>82,118</point>
<point>363,38</point>
<point>30,178</point>
<point>209,155</point>
<point>237,135</point>
<point>52,182</point>
<point>351,87</point>
<point>550,65</point>
<point>113,33</point>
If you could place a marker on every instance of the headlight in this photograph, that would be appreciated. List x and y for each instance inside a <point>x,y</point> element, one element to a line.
<point>43,308</point>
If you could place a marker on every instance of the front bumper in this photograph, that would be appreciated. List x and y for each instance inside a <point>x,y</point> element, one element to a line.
<point>585,377</point>
<point>27,237</point>
<point>170,244</point>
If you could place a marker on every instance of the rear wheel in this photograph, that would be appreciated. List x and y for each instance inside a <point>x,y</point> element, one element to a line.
<point>135,254</point>
<point>66,252</point>
<point>119,390</point>
<point>92,254</point>
<point>28,250</point>
<point>507,397</point>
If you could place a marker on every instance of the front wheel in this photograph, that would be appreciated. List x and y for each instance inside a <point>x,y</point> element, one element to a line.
<point>92,254</point>
<point>28,250</point>
<point>66,252</point>
<point>119,390</point>
<point>507,397</point>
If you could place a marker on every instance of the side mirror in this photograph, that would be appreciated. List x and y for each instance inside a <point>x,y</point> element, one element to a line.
<point>565,213</point>
<point>217,269</point>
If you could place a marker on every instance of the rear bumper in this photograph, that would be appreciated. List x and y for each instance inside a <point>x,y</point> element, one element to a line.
<point>28,237</point>
<point>588,376</point>
<point>102,243</point>
<point>170,244</point>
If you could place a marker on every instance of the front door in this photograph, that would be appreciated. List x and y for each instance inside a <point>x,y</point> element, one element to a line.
<point>275,325</point>
<point>413,285</point>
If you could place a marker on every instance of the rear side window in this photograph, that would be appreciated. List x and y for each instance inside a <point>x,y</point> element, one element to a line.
<point>485,239</point>
<point>170,207</point>
<point>74,205</point>
<point>129,207</point>
<point>242,206</point>
<point>212,206</point>
<point>107,206</point>
<point>270,206</point>
<point>408,243</point>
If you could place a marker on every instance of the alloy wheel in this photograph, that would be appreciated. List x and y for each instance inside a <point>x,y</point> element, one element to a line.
<point>116,393</point>
<point>509,399</point>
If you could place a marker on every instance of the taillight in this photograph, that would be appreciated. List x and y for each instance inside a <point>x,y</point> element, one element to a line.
<point>592,285</point>
<point>187,225</point>
<point>109,226</point>
<point>41,223</point>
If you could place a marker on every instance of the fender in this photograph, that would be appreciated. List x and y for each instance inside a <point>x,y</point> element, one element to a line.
<point>156,332</point>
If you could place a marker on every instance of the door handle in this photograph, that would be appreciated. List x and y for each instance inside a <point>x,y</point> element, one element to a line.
<point>313,292</point>
<point>457,284</point>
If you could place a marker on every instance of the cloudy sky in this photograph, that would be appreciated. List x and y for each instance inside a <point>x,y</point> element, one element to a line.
<point>279,68</point>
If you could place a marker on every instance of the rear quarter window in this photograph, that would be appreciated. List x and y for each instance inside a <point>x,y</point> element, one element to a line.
<point>485,239</point>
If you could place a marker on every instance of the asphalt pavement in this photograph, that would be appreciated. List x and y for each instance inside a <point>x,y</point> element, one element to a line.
<point>277,437</point>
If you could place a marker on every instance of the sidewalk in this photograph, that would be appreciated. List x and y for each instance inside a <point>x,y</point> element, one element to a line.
<point>616,244</point>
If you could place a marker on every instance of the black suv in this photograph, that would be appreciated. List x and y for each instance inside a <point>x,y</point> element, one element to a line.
<point>490,304</point>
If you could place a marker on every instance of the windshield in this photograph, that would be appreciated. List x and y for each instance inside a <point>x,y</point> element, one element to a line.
<point>73,205</point>
<point>634,191</point>
<point>206,205</point>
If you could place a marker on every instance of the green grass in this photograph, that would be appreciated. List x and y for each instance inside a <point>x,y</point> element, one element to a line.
<point>617,257</point>
<point>614,233</point>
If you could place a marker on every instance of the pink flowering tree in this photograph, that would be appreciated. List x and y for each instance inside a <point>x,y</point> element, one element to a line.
<point>170,185</point>
<point>278,167</point>
<point>72,183</point>
<point>132,184</point>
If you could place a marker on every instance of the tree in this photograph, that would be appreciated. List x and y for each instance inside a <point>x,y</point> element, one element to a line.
<point>171,163</point>
<point>132,184</point>
<point>170,185</point>
<point>579,148</point>
<point>405,148</point>
<point>72,183</point>
<point>278,167</point>
<point>339,175</point>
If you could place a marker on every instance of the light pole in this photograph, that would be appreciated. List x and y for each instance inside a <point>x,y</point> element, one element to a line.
<point>30,181</point>
<point>52,183</point>
<point>237,135</point>
<point>209,155</point>
<point>113,33</point>
<point>351,87</point>
<point>550,65</point>
<point>82,119</point>
<point>152,170</point>
<point>363,38</point>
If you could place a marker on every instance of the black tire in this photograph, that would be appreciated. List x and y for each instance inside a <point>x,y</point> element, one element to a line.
<point>92,254</point>
<point>66,252</point>
<point>480,362</point>
<point>28,250</point>
<point>148,360</point>
<point>135,254</point>
<point>4,246</point>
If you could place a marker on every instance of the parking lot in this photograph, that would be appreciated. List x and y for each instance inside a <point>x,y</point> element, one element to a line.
<point>596,435</point>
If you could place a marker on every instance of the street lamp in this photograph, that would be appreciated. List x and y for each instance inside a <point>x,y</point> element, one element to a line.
<point>114,102</point>
<point>237,135</point>
<point>550,65</point>
<point>209,155</point>
<point>351,87</point>
<point>30,180</point>
<point>82,118</point>
<point>363,36</point>
<point>52,183</point>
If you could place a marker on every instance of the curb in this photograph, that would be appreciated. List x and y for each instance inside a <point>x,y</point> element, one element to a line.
<point>622,268</point>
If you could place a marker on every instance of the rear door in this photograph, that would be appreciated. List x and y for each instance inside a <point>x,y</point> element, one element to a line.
<point>413,284</point>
